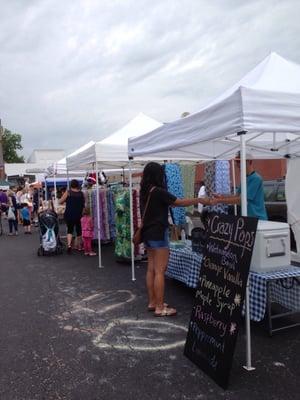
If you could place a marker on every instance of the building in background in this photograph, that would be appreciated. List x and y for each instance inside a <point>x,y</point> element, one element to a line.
<point>35,167</point>
<point>45,156</point>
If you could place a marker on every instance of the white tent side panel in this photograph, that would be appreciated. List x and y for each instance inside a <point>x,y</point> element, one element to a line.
<point>292,192</point>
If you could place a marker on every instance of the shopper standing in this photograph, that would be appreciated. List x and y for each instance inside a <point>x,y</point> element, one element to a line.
<point>25,213</point>
<point>155,233</point>
<point>74,200</point>
<point>12,215</point>
<point>3,200</point>
<point>87,227</point>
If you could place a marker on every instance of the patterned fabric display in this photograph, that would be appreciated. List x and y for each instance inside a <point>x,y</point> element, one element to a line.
<point>141,248</point>
<point>222,177</point>
<point>135,217</point>
<point>222,183</point>
<point>175,186</point>
<point>111,214</point>
<point>209,178</point>
<point>107,214</point>
<point>217,180</point>
<point>123,237</point>
<point>88,200</point>
<point>188,177</point>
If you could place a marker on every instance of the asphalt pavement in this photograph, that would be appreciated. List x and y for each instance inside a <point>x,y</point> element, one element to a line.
<point>69,330</point>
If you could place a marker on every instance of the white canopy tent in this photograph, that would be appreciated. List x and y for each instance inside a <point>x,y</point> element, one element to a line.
<point>261,111</point>
<point>59,169</point>
<point>112,153</point>
<point>265,104</point>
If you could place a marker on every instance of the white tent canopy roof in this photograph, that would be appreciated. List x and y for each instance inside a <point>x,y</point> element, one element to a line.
<point>265,104</point>
<point>113,151</point>
<point>60,167</point>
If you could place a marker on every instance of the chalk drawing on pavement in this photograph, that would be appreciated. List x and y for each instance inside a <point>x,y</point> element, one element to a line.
<point>103,302</point>
<point>104,317</point>
<point>141,335</point>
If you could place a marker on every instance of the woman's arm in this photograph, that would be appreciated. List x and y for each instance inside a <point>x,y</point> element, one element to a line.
<point>192,202</point>
<point>228,199</point>
<point>63,198</point>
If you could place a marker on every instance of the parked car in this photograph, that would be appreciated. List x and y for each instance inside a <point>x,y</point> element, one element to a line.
<point>275,202</point>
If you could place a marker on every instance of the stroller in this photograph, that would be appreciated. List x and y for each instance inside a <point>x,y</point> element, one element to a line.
<point>50,242</point>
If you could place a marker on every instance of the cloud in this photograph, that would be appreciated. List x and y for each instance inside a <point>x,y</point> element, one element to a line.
<point>73,71</point>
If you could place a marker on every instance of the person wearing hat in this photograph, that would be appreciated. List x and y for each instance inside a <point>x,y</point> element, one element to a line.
<point>255,191</point>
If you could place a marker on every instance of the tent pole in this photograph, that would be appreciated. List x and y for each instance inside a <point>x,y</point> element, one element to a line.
<point>123,176</point>
<point>55,188</point>
<point>98,217</point>
<point>131,219</point>
<point>46,190</point>
<point>234,183</point>
<point>68,180</point>
<point>248,365</point>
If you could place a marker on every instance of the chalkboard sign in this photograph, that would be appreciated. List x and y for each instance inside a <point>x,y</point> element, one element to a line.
<point>220,294</point>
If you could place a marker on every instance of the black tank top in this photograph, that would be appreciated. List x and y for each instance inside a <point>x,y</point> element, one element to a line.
<point>74,206</point>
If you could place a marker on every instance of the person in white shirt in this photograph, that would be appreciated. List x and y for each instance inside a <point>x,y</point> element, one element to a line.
<point>201,193</point>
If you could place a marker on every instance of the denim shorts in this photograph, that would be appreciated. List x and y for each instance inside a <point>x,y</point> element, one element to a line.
<point>159,244</point>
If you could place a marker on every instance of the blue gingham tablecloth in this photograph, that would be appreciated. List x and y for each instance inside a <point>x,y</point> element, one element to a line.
<point>284,288</point>
<point>184,266</point>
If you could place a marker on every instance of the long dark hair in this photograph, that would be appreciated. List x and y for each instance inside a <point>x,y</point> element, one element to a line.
<point>153,175</point>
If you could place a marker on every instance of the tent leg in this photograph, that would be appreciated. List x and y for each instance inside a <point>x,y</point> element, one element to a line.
<point>68,180</point>
<point>248,365</point>
<point>234,183</point>
<point>46,190</point>
<point>55,193</point>
<point>131,221</point>
<point>98,218</point>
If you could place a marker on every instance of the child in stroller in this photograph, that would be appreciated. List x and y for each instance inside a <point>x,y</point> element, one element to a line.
<point>50,242</point>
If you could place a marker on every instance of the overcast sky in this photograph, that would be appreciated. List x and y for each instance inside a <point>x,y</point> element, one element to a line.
<point>76,70</point>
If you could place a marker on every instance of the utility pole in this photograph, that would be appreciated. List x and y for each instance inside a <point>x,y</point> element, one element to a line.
<point>2,171</point>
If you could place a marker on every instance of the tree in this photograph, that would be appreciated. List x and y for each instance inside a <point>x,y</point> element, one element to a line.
<point>11,143</point>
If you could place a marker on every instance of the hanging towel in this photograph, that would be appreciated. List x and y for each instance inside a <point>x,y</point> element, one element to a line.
<point>217,180</point>
<point>175,186</point>
<point>188,178</point>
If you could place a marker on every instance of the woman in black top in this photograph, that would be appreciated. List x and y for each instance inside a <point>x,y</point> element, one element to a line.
<point>74,199</point>
<point>155,233</point>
